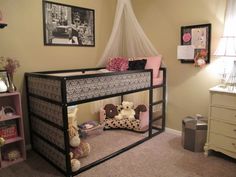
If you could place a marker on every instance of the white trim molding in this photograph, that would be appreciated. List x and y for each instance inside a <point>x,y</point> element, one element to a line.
<point>176,132</point>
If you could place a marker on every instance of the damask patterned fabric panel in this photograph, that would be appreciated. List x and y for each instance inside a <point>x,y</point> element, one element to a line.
<point>52,134</point>
<point>47,88</point>
<point>58,158</point>
<point>87,88</point>
<point>46,110</point>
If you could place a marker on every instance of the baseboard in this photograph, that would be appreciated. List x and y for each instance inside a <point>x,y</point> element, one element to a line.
<point>170,130</point>
<point>28,147</point>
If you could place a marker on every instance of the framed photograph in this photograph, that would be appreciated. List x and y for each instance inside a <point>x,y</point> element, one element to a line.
<point>66,25</point>
<point>198,37</point>
<point>4,80</point>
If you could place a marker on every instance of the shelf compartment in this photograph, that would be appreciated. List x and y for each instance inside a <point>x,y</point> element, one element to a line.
<point>10,118</point>
<point>8,163</point>
<point>13,140</point>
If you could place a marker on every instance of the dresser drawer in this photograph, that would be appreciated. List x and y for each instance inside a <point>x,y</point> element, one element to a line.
<point>223,142</point>
<point>228,115</point>
<point>223,128</point>
<point>223,99</point>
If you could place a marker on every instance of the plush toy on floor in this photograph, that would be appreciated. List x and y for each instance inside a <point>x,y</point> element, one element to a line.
<point>79,148</point>
<point>127,111</point>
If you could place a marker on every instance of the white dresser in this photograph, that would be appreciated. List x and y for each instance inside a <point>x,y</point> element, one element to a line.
<point>221,135</point>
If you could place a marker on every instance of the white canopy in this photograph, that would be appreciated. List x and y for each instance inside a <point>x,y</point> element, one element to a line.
<point>127,38</point>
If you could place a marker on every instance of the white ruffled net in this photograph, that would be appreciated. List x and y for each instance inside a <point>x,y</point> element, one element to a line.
<point>127,37</point>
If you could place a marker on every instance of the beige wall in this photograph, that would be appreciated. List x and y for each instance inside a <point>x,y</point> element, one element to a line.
<point>23,38</point>
<point>160,19</point>
<point>187,86</point>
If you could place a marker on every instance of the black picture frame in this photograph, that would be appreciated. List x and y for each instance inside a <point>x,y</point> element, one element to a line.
<point>4,76</point>
<point>67,25</point>
<point>205,43</point>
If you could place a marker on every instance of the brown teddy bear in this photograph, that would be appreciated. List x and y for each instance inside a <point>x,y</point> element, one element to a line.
<point>110,110</point>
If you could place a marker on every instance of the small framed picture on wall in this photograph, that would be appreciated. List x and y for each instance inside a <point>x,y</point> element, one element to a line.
<point>199,38</point>
<point>66,25</point>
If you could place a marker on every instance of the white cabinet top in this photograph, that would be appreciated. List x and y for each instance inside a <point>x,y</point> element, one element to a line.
<point>223,89</point>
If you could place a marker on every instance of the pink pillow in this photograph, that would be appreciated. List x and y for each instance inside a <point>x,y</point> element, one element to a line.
<point>154,63</point>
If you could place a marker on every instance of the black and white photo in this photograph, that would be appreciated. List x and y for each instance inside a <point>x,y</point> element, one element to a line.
<point>68,25</point>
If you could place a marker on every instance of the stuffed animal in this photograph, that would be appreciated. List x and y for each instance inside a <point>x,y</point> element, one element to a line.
<point>138,109</point>
<point>75,164</point>
<point>73,135</point>
<point>111,111</point>
<point>11,154</point>
<point>74,142</point>
<point>127,111</point>
<point>83,149</point>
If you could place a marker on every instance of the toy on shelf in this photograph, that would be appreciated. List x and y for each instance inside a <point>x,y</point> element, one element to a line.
<point>6,112</point>
<point>11,154</point>
<point>2,141</point>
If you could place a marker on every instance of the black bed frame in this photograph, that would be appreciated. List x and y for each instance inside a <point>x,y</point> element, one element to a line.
<point>64,105</point>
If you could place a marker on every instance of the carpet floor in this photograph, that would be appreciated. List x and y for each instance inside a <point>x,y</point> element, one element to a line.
<point>162,156</point>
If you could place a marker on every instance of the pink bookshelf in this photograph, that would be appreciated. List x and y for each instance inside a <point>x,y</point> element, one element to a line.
<point>10,118</point>
<point>17,143</point>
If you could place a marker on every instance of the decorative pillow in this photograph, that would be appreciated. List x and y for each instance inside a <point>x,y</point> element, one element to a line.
<point>122,124</point>
<point>138,109</point>
<point>137,64</point>
<point>117,64</point>
<point>154,63</point>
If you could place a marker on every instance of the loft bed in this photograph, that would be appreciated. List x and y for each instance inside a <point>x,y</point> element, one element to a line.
<point>50,93</point>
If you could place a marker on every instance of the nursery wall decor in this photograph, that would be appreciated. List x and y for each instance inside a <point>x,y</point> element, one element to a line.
<point>66,25</point>
<point>199,38</point>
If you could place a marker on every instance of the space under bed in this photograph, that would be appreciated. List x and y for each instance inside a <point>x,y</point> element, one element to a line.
<point>50,93</point>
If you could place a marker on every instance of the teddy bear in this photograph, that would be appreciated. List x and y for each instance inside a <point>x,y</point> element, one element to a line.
<point>127,111</point>
<point>78,148</point>
<point>111,111</point>
<point>75,164</point>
